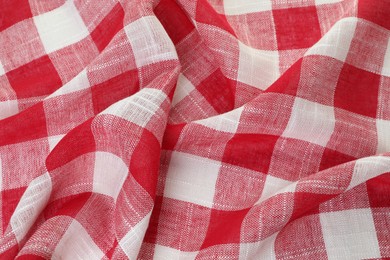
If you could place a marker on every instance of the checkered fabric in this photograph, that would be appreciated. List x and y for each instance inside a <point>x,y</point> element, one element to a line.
<point>194,129</point>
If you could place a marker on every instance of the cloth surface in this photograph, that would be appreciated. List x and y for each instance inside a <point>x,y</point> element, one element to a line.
<point>235,129</point>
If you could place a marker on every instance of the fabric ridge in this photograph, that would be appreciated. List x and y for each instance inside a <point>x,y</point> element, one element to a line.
<point>195,129</point>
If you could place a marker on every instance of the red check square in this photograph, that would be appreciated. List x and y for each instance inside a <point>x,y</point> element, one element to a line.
<point>292,29</point>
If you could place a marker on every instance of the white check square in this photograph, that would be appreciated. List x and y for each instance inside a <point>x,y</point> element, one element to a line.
<point>149,41</point>
<point>183,88</point>
<point>325,2</point>
<point>2,71</point>
<point>109,174</point>
<point>386,62</point>
<point>132,241</point>
<point>33,201</point>
<point>192,179</point>
<point>367,168</point>
<point>140,107</point>
<point>264,248</point>
<point>350,234</point>
<point>383,133</point>
<point>257,68</point>
<point>237,7</point>
<point>8,108</point>
<point>60,27</point>
<point>165,252</point>
<point>311,122</point>
<point>227,122</point>
<point>76,243</point>
<point>274,185</point>
<point>336,42</point>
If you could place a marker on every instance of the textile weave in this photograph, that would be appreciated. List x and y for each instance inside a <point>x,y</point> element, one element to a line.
<point>195,129</point>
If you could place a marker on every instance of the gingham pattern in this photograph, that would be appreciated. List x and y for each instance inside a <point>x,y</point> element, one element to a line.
<point>235,129</point>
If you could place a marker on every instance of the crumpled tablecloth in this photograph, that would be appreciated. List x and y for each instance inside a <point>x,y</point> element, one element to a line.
<point>208,129</point>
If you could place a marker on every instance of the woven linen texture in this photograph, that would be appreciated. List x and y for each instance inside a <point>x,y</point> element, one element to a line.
<point>194,129</point>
